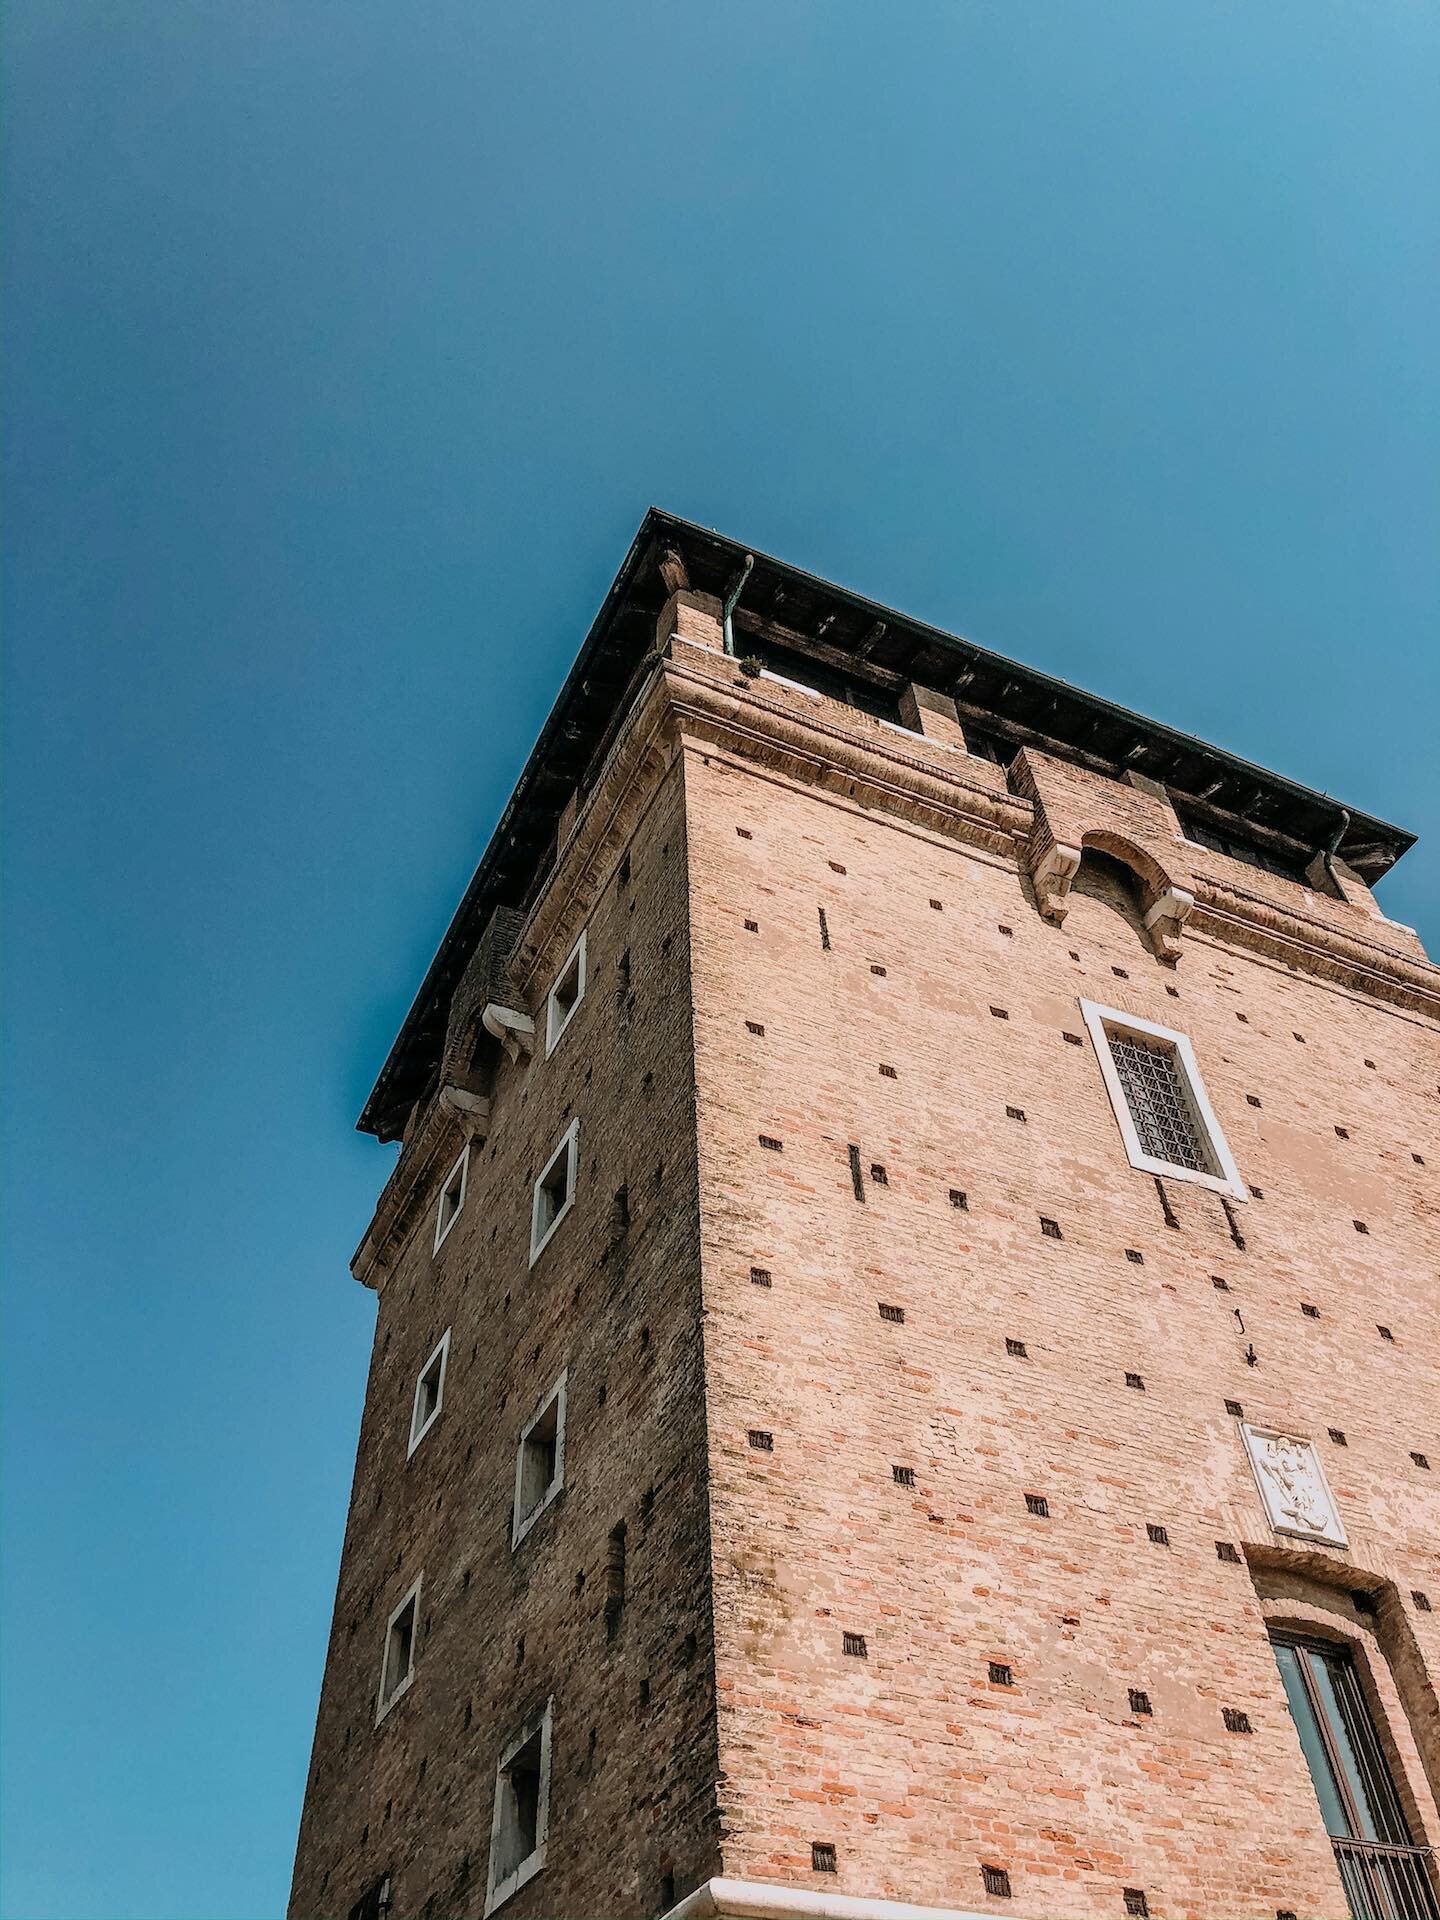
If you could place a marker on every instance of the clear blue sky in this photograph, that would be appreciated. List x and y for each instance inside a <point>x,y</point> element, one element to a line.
<point>346,345</point>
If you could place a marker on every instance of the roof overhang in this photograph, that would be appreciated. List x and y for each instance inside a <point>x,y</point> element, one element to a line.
<point>869,643</point>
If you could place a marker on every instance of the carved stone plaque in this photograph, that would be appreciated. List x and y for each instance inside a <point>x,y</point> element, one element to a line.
<point>1293,1487</point>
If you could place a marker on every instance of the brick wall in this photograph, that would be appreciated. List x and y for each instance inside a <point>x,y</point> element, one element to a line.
<point>933,1000</point>
<point>633,1782</point>
<point>840,987</point>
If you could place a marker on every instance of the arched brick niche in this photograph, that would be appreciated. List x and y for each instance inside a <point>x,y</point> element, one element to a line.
<point>1079,813</point>
<point>1337,1604</point>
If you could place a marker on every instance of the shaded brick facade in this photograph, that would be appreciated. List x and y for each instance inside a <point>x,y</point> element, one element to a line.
<point>856,1278</point>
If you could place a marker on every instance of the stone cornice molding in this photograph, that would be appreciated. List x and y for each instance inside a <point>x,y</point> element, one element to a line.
<point>681,700</point>
<point>881,769</point>
<point>1230,914</point>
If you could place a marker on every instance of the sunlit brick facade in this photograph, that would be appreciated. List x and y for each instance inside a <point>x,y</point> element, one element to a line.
<point>909,1315</point>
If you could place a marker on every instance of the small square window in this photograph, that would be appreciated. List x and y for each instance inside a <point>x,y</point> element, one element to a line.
<point>554,1191</point>
<point>1157,1535</point>
<point>429,1393</point>
<point>565,996</point>
<point>539,1462</point>
<point>1159,1101</point>
<point>397,1661</point>
<point>522,1811</point>
<point>997,1882</point>
<point>1037,1504</point>
<point>1001,1674</point>
<point>452,1198</point>
<point>822,1852</point>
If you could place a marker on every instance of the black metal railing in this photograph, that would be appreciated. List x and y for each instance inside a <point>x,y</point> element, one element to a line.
<point>1387,1883</point>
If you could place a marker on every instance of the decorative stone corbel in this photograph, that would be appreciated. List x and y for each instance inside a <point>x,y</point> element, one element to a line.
<point>1051,876</point>
<point>1166,920</point>
<point>515,1031</point>
<point>471,1109</point>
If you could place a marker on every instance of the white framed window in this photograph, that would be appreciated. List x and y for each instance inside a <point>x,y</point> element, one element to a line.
<point>521,1819</point>
<point>429,1393</point>
<point>555,1190</point>
<point>452,1197</point>
<point>539,1461</point>
<point>565,996</point>
<point>1159,1101</point>
<point>397,1661</point>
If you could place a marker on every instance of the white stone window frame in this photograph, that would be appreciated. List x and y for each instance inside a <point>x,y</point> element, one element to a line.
<point>1100,1021</point>
<point>569,1150</point>
<point>443,1224</point>
<point>521,1524</point>
<point>557,1019</point>
<point>497,1892</point>
<point>385,1701</point>
<point>420,1427</point>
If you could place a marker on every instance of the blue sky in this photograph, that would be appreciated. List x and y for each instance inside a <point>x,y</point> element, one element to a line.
<point>346,344</point>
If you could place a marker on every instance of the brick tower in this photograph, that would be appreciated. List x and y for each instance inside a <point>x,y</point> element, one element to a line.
<point>906,1371</point>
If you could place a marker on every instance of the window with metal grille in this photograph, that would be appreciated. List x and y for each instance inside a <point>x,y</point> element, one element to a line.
<point>1383,1872</point>
<point>1158,1101</point>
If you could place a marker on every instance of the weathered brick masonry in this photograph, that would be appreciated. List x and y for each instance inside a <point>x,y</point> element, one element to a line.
<point>947,1577</point>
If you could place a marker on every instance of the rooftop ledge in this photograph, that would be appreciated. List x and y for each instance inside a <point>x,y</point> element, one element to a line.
<point>864,653</point>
